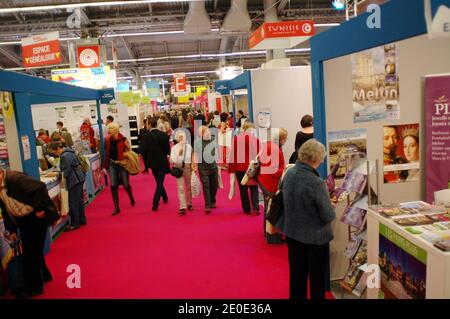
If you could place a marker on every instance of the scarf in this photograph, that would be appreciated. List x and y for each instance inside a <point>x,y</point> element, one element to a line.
<point>13,206</point>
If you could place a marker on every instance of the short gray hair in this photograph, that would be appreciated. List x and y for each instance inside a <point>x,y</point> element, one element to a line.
<point>311,152</point>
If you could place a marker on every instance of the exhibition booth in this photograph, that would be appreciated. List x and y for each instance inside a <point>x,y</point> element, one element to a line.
<point>275,98</point>
<point>381,108</point>
<point>31,104</point>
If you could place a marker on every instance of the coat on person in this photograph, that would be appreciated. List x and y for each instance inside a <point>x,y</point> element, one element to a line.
<point>71,167</point>
<point>308,211</point>
<point>155,148</point>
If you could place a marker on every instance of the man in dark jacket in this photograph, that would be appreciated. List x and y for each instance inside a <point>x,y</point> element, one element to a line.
<point>155,148</point>
<point>24,189</point>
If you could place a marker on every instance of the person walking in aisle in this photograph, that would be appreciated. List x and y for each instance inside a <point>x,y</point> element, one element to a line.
<point>115,147</point>
<point>28,209</point>
<point>181,156</point>
<point>306,222</point>
<point>244,148</point>
<point>155,149</point>
<point>205,160</point>
<point>306,133</point>
<point>271,169</point>
<point>71,168</point>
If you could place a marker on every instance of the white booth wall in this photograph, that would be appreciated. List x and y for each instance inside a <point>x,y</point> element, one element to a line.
<point>285,93</point>
<point>417,56</point>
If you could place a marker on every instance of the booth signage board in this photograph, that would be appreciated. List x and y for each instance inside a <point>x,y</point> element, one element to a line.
<point>438,26</point>
<point>403,266</point>
<point>94,78</point>
<point>230,72</point>
<point>280,35</point>
<point>107,96</point>
<point>40,50</point>
<point>179,82</point>
<point>223,87</point>
<point>437,97</point>
<point>88,56</point>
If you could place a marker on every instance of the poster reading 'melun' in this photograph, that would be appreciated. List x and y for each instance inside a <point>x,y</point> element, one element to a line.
<point>376,84</point>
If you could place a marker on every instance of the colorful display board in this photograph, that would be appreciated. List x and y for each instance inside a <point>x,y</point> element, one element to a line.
<point>94,78</point>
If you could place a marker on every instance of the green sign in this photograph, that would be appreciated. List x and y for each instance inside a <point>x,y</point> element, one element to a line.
<point>403,243</point>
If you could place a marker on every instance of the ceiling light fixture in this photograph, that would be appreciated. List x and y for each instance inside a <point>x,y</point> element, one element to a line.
<point>82,5</point>
<point>339,4</point>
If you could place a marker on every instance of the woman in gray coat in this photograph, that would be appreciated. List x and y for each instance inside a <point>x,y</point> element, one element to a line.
<point>308,213</point>
<point>75,177</point>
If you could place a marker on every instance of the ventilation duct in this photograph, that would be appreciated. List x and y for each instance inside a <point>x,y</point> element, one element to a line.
<point>237,18</point>
<point>197,19</point>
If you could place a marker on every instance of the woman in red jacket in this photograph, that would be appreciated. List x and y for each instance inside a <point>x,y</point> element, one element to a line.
<point>245,147</point>
<point>272,165</point>
<point>115,146</point>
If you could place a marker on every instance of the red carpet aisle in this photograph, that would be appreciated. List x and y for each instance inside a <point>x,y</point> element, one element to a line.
<point>143,254</point>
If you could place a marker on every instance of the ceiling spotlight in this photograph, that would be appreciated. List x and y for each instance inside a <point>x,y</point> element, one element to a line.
<point>338,4</point>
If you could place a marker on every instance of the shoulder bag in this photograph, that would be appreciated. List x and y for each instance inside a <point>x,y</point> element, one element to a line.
<point>177,172</point>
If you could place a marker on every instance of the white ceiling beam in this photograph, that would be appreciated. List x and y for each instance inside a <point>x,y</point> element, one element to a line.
<point>10,55</point>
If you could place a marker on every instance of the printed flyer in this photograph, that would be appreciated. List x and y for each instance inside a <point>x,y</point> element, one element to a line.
<point>437,94</point>
<point>403,267</point>
<point>401,153</point>
<point>375,82</point>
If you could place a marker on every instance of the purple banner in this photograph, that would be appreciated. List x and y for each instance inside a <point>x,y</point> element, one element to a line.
<point>437,94</point>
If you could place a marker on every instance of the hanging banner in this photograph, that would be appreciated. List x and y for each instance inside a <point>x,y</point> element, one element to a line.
<point>179,82</point>
<point>437,95</point>
<point>40,50</point>
<point>88,56</point>
<point>376,84</point>
<point>94,78</point>
<point>153,90</point>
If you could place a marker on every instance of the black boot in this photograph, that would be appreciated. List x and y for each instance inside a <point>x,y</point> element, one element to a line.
<point>115,196</point>
<point>130,194</point>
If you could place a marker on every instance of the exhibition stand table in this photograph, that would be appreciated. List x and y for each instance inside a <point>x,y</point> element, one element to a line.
<point>410,266</point>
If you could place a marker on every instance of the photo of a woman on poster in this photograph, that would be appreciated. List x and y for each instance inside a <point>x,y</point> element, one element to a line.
<point>401,153</point>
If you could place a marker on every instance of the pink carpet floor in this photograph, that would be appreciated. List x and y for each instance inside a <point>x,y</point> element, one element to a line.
<point>160,255</point>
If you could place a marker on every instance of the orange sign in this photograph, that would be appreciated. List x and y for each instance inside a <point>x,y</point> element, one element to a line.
<point>179,81</point>
<point>88,56</point>
<point>285,29</point>
<point>40,50</point>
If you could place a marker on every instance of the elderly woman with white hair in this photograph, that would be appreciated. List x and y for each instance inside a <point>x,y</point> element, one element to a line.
<point>181,156</point>
<point>115,146</point>
<point>306,222</point>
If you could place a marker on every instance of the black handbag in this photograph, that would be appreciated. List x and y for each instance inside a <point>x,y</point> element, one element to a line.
<point>276,207</point>
<point>15,270</point>
<point>176,171</point>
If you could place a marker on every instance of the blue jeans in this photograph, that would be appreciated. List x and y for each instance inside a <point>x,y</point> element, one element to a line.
<point>159,174</point>
<point>118,174</point>
<point>76,205</point>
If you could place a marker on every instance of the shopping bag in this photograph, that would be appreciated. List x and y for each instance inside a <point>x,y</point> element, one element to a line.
<point>219,179</point>
<point>195,185</point>
<point>15,270</point>
<point>232,186</point>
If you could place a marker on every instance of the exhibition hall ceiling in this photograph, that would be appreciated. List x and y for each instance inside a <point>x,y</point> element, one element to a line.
<point>149,35</point>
